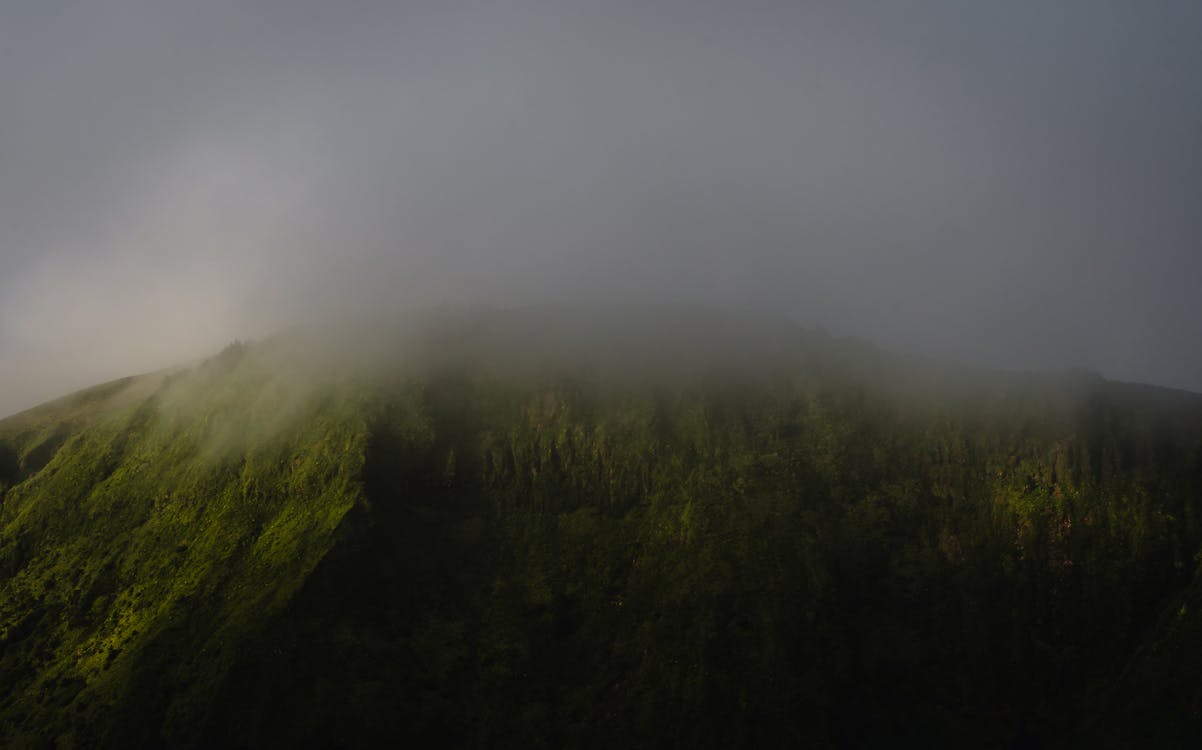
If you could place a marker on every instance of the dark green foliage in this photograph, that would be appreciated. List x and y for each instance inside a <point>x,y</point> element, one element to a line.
<point>838,549</point>
<point>10,466</point>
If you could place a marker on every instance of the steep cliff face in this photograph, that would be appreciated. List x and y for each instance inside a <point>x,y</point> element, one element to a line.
<point>493,547</point>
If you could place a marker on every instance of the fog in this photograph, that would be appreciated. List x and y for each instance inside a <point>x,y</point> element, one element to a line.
<point>1005,184</point>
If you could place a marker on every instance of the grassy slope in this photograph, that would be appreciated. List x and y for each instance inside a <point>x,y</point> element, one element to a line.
<point>150,530</point>
<point>840,547</point>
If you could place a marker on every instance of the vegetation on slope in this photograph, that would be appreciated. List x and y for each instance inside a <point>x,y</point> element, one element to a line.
<point>833,546</point>
<point>143,541</point>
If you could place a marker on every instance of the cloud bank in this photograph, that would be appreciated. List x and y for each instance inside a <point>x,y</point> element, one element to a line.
<point>1008,184</point>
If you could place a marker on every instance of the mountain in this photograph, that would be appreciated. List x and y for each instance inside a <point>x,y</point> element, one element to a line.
<point>599,527</point>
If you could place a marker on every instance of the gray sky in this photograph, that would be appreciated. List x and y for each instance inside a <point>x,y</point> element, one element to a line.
<point>1015,184</point>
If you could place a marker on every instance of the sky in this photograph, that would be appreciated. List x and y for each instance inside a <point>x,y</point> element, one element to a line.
<point>1016,185</point>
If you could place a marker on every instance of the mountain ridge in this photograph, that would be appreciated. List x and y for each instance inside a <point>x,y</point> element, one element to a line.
<point>454,546</point>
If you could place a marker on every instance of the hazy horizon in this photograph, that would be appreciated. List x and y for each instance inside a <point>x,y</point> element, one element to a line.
<point>1013,186</point>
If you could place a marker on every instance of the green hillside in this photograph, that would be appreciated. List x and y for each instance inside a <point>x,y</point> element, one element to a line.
<point>549,528</point>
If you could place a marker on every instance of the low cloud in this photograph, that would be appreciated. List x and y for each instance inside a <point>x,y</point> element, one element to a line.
<point>1012,186</point>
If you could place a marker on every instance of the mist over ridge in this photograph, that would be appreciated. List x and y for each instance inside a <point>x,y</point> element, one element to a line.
<point>623,345</point>
<point>1008,187</point>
